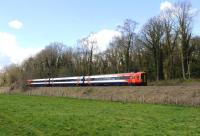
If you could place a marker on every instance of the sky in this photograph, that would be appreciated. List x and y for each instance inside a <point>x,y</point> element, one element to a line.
<point>27,26</point>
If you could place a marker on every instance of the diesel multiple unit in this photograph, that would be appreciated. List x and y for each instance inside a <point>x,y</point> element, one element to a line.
<point>138,78</point>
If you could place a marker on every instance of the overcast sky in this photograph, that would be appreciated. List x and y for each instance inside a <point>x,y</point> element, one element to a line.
<point>27,26</point>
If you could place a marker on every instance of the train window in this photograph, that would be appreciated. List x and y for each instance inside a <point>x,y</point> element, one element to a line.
<point>65,80</point>
<point>126,77</point>
<point>96,79</point>
<point>40,81</point>
<point>122,78</point>
<point>103,78</point>
<point>118,78</point>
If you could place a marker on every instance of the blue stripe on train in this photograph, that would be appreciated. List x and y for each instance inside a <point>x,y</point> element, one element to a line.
<point>81,84</point>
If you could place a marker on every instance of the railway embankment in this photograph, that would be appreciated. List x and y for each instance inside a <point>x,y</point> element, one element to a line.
<point>162,93</point>
<point>177,95</point>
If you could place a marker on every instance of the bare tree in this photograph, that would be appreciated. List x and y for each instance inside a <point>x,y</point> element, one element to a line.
<point>128,37</point>
<point>170,41</point>
<point>67,62</point>
<point>87,46</point>
<point>184,20</point>
<point>195,57</point>
<point>152,38</point>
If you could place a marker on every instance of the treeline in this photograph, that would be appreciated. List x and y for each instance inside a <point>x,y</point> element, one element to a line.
<point>165,48</point>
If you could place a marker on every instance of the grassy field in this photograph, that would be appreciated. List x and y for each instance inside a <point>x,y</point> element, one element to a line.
<point>41,116</point>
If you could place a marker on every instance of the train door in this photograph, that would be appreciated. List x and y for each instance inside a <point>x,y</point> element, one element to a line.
<point>133,79</point>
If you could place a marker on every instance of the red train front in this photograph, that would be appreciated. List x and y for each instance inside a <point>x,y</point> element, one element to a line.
<point>138,78</point>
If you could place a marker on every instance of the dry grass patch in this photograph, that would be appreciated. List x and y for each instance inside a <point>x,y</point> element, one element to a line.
<point>179,95</point>
<point>4,90</point>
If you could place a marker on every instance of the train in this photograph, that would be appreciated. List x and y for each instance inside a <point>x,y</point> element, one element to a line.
<point>132,78</point>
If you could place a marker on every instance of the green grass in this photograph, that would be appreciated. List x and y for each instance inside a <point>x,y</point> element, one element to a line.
<point>41,116</point>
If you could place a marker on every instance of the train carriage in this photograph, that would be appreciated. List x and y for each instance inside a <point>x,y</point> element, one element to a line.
<point>138,78</point>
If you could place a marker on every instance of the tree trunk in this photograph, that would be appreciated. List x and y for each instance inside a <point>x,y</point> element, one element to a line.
<point>90,62</point>
<point>156,64</point>
<point>127,59</point>
<point>161,73</point>
<point>188,72</point>
<point>183,68</point>
<point>172,73</point>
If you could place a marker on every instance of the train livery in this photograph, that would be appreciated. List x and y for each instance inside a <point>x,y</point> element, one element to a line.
<point>138,78</point>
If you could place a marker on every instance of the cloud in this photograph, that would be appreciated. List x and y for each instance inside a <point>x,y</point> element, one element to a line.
<point>166,5</point>
<point>194,11</point>
<point>11,52</point>
<point>16,24</point>
<point>174,9</point>
<point>103,38</point>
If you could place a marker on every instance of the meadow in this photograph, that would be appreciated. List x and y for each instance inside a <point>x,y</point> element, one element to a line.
<point>49,116</point>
